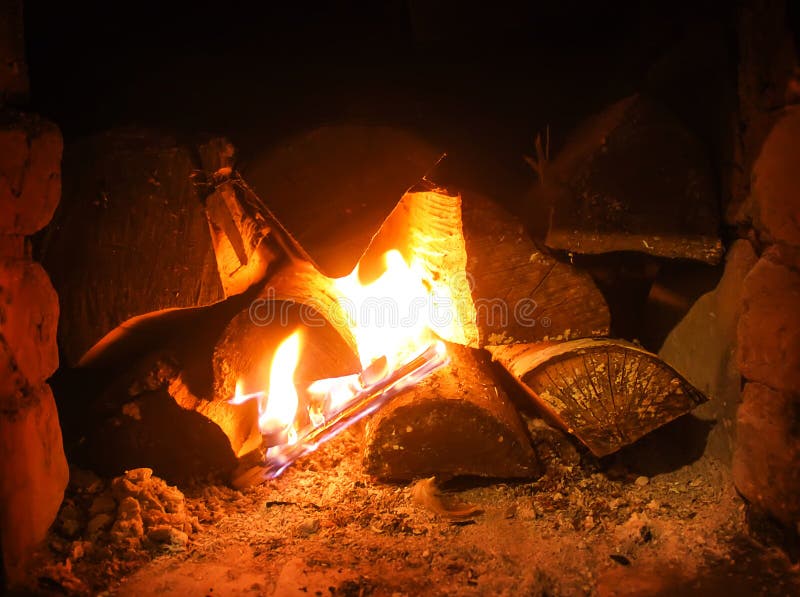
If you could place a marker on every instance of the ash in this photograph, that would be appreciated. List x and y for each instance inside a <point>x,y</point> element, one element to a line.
<point>325,528</point>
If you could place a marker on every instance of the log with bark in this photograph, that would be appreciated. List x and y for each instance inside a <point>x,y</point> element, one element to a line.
<point>502,287</point>
<point>129,237</point>
<point>458,421</point>
<point>608,393</point>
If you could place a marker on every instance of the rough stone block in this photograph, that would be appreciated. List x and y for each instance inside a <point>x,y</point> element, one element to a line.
<point>33,475</point>
<point>28,320</point>
<point>13,247</point>
<point>775,184</point>
<point>768,449</point>
<point>30,172</point>
<point>703,345</point>
<point>769,328</point>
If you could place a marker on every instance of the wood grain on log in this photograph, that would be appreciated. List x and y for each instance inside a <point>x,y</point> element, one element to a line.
<point>456,422</point>
<point>633,178</point>
<point>129,238</point>
<point>501,286</point>
<point>608,393</point>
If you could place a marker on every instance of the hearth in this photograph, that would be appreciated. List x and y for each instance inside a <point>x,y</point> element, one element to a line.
<point>407,349</point>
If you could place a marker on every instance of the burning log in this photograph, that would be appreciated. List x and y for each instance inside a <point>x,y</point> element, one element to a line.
<point>608,393</point>
<point>245,349</point>
<point>478,258</point>
<point>455,422</point>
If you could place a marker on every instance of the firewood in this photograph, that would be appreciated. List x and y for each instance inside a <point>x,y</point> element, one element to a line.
<point>608,393</point>
<point>249,242</point>
<point>502,288</point>
<point>130,236</point>
<point>456,422</point>
<point>633,178</point>
<point>246,346</point>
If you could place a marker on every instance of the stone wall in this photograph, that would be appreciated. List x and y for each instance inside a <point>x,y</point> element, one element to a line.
<point>33,469</point>
<point>766,460</point>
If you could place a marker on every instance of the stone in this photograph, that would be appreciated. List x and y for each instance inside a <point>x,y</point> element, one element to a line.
<point>168,535</point>
<point>13,247</point>
<point>14,87</point>
<point>702,347</point>
<point>765,467</point>
<point>30,172</point>
<point>769,328</point>
<point>33,475</point>
<point>99,523</point>
<point>28,320</point>
<point>775,184</point>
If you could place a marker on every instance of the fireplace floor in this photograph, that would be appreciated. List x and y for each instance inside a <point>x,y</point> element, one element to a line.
<point>324,528</point>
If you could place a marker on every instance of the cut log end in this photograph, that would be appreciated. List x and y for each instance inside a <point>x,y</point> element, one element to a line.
<point>455,423</point>
<point>608,393</point>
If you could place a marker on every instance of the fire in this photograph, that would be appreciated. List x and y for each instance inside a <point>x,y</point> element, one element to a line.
<point>277,407</point>
<point>394,316</point>
<point>394,321</point>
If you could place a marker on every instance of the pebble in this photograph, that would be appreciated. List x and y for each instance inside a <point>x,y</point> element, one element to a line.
<point>642,481</point>
<point>308,527</point>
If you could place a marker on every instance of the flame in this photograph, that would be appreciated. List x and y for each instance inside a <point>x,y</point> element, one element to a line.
<point>278,406</point>
<point>391,317</point>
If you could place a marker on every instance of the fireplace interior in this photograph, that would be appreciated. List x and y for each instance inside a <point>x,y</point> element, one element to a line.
<point>403,298</point>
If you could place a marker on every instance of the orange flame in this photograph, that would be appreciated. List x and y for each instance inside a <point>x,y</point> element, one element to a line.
<point>277,407</point>
<point>392,316</point>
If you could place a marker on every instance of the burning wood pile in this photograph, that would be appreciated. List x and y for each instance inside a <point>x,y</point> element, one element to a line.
<point>451,311</point>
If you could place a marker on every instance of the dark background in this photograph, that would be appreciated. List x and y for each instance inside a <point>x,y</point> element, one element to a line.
<point>479,78</point>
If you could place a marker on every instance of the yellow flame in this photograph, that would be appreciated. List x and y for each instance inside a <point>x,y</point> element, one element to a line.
<point>278,410</point>
<point>391,316</point>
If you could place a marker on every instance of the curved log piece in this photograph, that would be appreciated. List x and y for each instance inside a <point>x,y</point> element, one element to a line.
<point>608,393</point>
<point>456,422</point>
<point>246,347</point>
<point>501,287</point>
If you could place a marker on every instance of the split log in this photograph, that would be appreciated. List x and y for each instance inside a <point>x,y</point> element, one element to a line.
<point>130,236</point>
<point>143,396</point>
<point>456,422</point>
<point>633,178</point>
<point>502,288</point>
<point>608,393</point>
<point>245,348</point>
